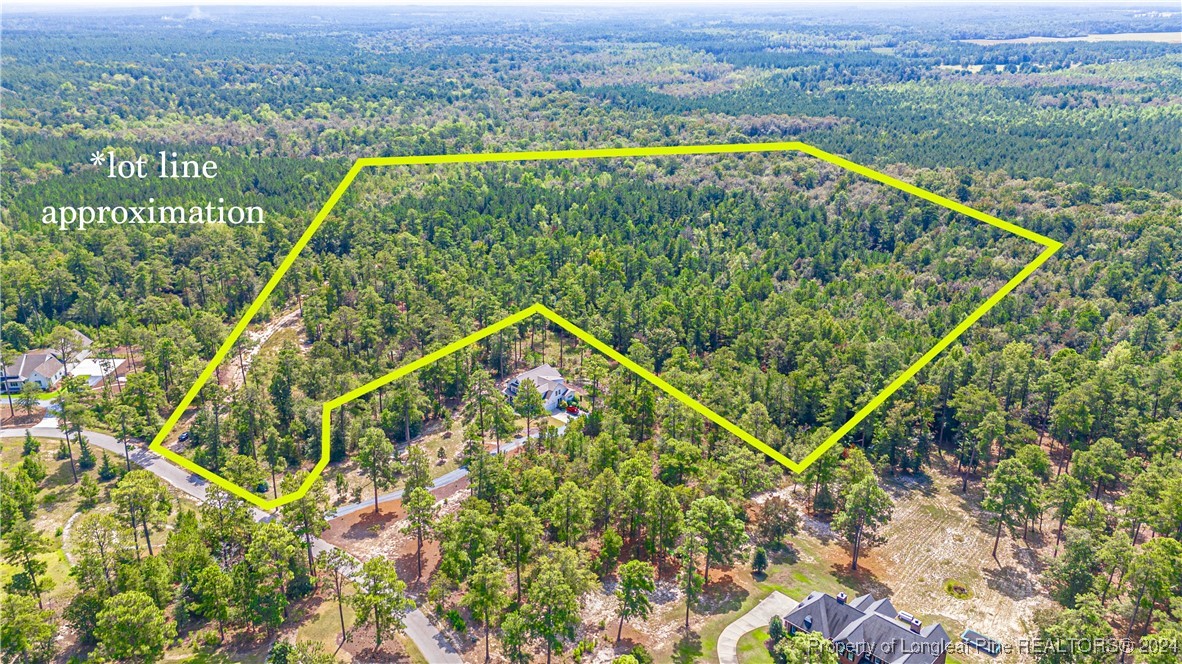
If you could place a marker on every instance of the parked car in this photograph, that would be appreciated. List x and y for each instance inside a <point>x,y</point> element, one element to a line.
<point>183,437</point>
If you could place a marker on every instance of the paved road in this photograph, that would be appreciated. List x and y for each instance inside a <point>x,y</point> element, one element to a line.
<point>441,481</point>
<point>192,484</point>
<point>434,646</point>
<point>430,642</point>
<point>775,604</point>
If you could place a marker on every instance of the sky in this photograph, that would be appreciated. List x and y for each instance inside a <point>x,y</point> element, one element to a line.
<point>24,5</point>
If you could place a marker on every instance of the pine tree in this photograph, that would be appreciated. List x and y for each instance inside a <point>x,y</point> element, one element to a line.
<point>420,515</point>
<point>1008,494</point>
<point>375,456</point>
<point>106,472</point>
<point>488,593</point>
<point>552,611</point>
<point>22,545</point>
<point>529,404</point>
<point>867,508</point>
<point>380,599</point>
<point>637,583</point>
<point>721,531</point>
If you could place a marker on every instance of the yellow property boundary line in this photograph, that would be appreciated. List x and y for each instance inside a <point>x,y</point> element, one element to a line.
<point>1049,248</point>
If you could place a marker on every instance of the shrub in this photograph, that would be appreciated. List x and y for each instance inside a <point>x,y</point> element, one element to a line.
<point>610,553</point>
<point>86,459</point>
<point>759,561</point>
<point>279,653</point>
<point>456,621</point>
<point>31,446</point>
<point>641,655</point>
<point>209,639</point>
<point>957,589</point>
<point>584,647</point>
<point>89,491</point>
<point>106,471</point>
<point>775,629</point>
<point>776,520</point>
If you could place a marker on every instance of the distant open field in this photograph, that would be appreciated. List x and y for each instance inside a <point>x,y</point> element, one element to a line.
<point>1164,37</point>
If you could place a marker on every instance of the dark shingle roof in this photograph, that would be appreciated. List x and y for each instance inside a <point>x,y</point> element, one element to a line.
<point>871,626</point>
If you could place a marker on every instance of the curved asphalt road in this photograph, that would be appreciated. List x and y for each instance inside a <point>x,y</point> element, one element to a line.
<point>190,483</point>
<point>440,482</point>
<point>431,643</point>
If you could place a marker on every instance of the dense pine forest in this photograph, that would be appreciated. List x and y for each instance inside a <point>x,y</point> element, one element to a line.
<point>781,291</point>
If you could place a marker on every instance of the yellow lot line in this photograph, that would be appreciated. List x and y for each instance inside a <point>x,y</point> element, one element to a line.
<point>1049,248</point>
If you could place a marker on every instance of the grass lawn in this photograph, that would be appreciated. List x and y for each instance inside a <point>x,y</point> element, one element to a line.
<point>752,649</point>
<point>186,652</point>
<point>323,624</point>
<point>58,500</point>
<point>10,451</point>
<point>452,442</point>
<point>794,573</point>
<point>411,651</point>
<point>913,571</point>
<point>281,336</point>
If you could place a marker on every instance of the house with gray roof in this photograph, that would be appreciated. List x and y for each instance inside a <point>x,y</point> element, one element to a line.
<point>551,385</point>
<point>866,630</point>
<point>42,366</point>
<point>38,366</point>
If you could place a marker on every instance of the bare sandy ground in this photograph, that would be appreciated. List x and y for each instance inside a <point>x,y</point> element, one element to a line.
<point>937,535</point>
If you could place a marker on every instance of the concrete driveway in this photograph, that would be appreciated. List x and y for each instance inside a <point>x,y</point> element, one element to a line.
<point>775,604</point>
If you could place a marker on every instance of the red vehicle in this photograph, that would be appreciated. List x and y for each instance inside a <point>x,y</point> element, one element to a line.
<point>572,405</point>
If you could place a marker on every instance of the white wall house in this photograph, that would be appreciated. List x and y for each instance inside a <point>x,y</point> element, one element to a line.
<point>38,366</point>
<point>95,370</point>
<point>44,369</point>
<point>551,385</point>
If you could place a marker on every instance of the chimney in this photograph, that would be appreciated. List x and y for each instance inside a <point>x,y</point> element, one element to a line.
<point>916,624</point>
<point>808,623</point>
<point>841,597</point>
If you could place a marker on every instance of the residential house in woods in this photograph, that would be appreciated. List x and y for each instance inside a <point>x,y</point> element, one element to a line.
<point>38,366</point>
<point>869,631</point>
<point>549,382</point>
<point>42,367</point>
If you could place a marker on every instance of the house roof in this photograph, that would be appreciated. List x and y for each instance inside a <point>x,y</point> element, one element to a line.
<point>40,361</point>
<point>870,625</point>
<point>545,377</point>
<point>540,372</point>
<point>97,368</point>
<point>83,340</point>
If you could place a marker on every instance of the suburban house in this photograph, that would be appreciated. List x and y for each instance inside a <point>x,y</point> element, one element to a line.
<point>38,366</point>
<point>43,368</point>
<point>869,631</point>
<point>84,343</point>
<point>96,370</point>
<point>549,382</point>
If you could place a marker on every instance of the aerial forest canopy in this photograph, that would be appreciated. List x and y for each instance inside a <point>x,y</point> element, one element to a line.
<point>529,497</point>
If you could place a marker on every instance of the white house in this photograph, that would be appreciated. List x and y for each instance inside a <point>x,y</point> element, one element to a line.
<point>43,368</point>
<point>95,370</point>
<point>549,382</point>
<point>39,366</point>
